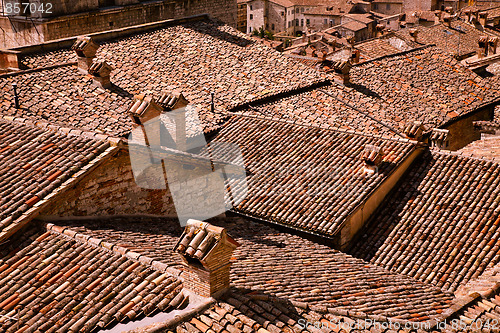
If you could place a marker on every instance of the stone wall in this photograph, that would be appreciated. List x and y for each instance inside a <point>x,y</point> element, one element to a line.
<point>111,190</point>
<point>462,132</point>
<point>88,16</point>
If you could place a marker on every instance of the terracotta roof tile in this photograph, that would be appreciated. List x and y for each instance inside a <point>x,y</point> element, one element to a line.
<point>315,275</point>
<point>54,283</point>
<point>34,162</point>
<point>287,182</point>
<point>442,223</point>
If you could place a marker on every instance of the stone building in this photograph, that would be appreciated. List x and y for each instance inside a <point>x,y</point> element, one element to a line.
<point>51,20</point>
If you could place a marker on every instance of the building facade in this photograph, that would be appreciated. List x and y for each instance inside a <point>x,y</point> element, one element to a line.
<point>50,20</point>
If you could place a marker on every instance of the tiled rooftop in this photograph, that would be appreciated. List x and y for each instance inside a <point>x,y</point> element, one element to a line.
<point>34,162</point>
<point>488,148</point>
<point>306,177</point>
<point>425,85</point>
<point>379,47</point>
<point>54,283</point>
<point>315,275</point>
<point>320,109</point>
<point>458,40</point>
<point>441,225</point>
<point>66,97</point>
<point>193,58</point>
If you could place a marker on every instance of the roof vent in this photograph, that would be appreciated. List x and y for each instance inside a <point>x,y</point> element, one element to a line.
<point>101,72</point>
<point>482,50</point>
<point>493,45</point>
<point>414,130</point>
<point>440,138</point>
<point>372,157</point>
<point>206,252</point>
<point>86,49</point>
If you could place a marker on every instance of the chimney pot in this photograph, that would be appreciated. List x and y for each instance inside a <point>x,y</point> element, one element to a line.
<point>483,18</point>
<point>372,157</point>
<point>101,71</point>
<point>86,49</point>
<point>207,259</point>
<point>439,138</point>
<point>414,130</point>
<point>342,69</point>
<point>483,47</point>
<point>414,33</point>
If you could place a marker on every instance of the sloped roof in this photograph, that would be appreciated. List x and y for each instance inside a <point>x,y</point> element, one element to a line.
<point>424,84</point>
<point>285,266</point>
<point>195,58</point>
<point>486,148</point>
<point>383,46</point>
<point>63,284</point>
<point>33,163</point>
<point>305,177</point>
<point>458,40</point>
<point>441,225</point>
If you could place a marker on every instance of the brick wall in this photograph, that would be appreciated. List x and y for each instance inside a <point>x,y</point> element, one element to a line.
<point>462,132</point>
<point>110,190</point>
<point>87,19</point>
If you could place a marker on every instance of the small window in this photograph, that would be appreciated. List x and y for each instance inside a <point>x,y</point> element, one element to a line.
<point>251,8</point>
<point>251,16</point>
<point>282,13</point>
<point>388,6</point>
<point>325,21</point>
<point>296,22</point>
<point>301,22</point>
<point>308,21</point>
<point>302,10</point>
<point>375,6</point>
<point>272,26</point>
<point>289,24</point>
<point>293,11</point>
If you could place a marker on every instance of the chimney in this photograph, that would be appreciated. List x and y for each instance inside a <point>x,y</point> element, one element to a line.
<point>100,71</point>
<point>468,12</point>
<point>342,69</point>
<point>380,30</point>
<point>482,47</point>
<point>449,10</point>
<point>372,157</point>
<point>493,45</point>
<point>483,18</point>
<point>206,252</point>
<point>439,138</point>
<point>414,33</point>
<point>439,15</point>
<point>475,15</point>
<point>355,55</point>
<point>447,19</point>
<point>146,112</point>
<point>351,40</point>
<point>86,49</point>
<point>414,130</point>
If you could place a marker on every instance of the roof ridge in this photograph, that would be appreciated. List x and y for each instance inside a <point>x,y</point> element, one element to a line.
<point>395,54</point>
<point>338,130</point>
<point>461,154</point>
<point>69,131</point>
<point>108,246</point>
<point>38,69</point>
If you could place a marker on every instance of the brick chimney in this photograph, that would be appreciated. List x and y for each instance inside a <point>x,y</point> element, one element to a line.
<point>414,130</point>
<point>482,50</point>
<point>146,109</point>
<point>439,138</point>
<point>101,71</point>
<point>483,18</point>
<point>447,18</point>
<point>86,49</point>
<point>414,33</point>
<point>355,55</point>
<point>492,45</point>
<point>206,252</point>
<point>341,69</point>
<point>372,157</point>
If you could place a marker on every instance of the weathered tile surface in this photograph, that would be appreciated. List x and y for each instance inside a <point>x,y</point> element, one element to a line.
<point>34,162</point>
<point>441,226</point>
<point>57,284</point>
<point>288,267</point>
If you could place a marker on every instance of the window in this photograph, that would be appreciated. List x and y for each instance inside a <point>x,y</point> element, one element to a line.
<point>308,21</point>
<point>325,21</point>
<point>293,11</point>
<point>272,26</point>
<point>296,22</point>
<point>388,6</point>
<point>302,10</point>
<point>250,29</point>
<point>301,22</point>
<point>375,6</point>
<point>267,26</point>
<point>251,16</point>
<point>282,13</point>
<point>251,8</point>
<point>289,24</point>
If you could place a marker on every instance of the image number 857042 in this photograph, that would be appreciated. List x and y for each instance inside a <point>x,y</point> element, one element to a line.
<point>26,8</point>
